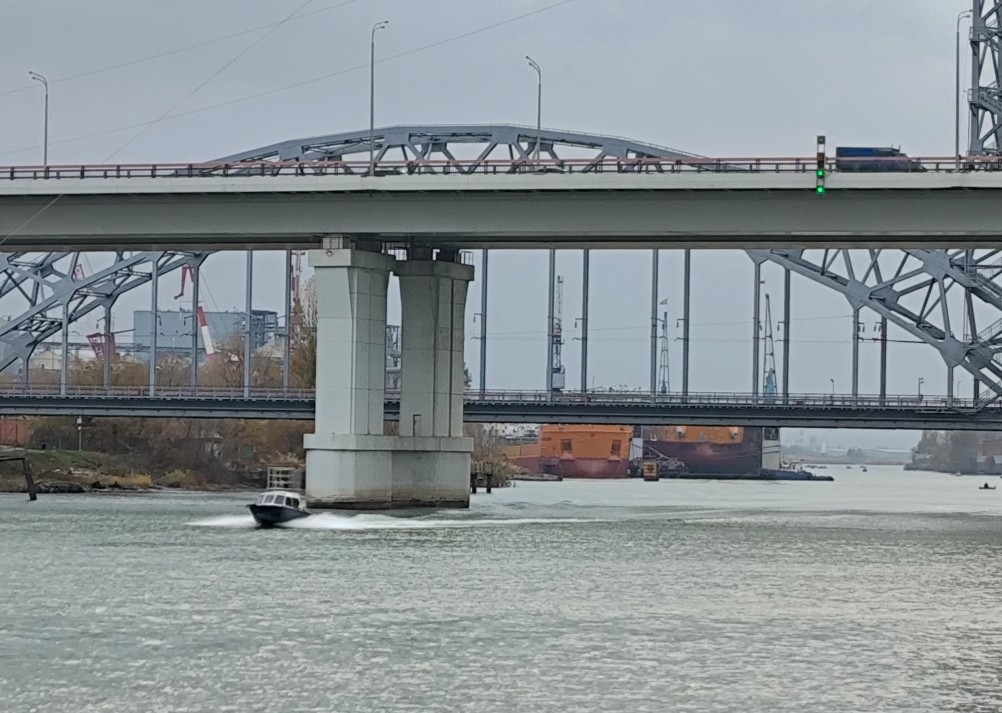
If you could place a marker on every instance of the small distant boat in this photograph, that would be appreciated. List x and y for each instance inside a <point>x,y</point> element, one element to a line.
<point>280,502</point>
<point>862,468</point>
<point>986,486</point>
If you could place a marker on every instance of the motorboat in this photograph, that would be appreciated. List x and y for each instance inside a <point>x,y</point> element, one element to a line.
<point>986,486</point>
<point>282,501</point>
<point>275,507</point>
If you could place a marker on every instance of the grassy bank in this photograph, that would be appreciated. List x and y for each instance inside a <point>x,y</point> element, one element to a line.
<point>85,468</point>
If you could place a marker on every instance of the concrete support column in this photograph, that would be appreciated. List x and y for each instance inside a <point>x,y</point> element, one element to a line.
<point>349,462</point>
<point>351,340</point>
<point>433,301</point>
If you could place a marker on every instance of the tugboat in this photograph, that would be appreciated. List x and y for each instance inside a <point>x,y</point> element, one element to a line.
<point>281,502</point>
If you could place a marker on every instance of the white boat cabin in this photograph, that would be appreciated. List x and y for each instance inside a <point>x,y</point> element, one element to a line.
<point>282,478</point>
<point>281,498</point>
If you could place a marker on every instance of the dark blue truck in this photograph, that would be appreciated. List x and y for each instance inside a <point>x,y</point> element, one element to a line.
<point>872,158</point>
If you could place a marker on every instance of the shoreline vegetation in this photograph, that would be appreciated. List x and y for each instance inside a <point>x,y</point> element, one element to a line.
<point>194,454</point>
<point>62,471</point>
<point>65,471</point>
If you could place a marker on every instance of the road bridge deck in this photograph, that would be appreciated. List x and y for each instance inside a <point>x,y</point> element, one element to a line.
<point>735,203</point>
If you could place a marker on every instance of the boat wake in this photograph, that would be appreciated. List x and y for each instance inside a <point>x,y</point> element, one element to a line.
<point>244,521</point>
<point>330,521</point>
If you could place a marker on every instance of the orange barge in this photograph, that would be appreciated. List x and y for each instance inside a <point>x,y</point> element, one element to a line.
<point>576,452</point>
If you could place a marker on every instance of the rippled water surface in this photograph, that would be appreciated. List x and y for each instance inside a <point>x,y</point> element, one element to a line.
<point>879,592</point>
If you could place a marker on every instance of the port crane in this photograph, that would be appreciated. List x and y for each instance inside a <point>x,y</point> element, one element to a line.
<point>769,388</point>
<point>557,365</point>
<point>664,376</point>
<point>187,272</point>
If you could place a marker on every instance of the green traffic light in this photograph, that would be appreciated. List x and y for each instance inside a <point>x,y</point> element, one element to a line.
<point>821,189</point>
<point>821,173</point>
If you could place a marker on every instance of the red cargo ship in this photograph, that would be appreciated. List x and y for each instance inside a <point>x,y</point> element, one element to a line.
<point>712,450</point>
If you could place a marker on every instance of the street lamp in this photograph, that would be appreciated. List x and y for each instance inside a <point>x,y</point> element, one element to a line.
<point>45,142</point>
<point>956,99</point>
<point>382,25</point>
<point>539,105</point>
<point>833,386</point>
<point>920,382</point>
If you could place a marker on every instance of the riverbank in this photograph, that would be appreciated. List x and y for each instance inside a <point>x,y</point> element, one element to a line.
<point>58,471</point>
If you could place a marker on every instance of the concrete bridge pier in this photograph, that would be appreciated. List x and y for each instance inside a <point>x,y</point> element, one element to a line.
<point>434,456</point>
<point>350,462</point>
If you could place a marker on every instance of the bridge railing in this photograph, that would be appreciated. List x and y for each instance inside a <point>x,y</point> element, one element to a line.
<point>717,398</point>
<point>161,392</point>
<point>391,167</point>
<point>596,398</point>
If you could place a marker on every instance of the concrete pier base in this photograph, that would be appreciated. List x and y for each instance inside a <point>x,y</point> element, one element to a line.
<point>383,472</point>
<point>350,463</point>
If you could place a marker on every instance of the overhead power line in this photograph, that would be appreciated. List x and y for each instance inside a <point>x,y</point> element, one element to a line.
<point>149,125</point>
<point>301,83</point>
<point>179,50</point>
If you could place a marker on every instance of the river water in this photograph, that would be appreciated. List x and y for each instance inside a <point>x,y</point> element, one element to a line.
<point>879,592</point>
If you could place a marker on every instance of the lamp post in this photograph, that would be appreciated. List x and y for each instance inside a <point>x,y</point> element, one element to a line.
<point>381,25</point>
<point>956,98</point>
<point>45,141</point>
<point>539,105</point>
<point>920,382</point>
<point>833,386</point>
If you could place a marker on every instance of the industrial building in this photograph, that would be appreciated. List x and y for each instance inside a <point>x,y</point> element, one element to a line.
<point>174,330</point>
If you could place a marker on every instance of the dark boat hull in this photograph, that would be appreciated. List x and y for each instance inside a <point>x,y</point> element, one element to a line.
<point>570,467</point>
<point>706,458</point>
<point>798,475</point>
<point>271,515</point>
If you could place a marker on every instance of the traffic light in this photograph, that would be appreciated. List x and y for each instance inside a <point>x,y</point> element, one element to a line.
<point>821,172</point>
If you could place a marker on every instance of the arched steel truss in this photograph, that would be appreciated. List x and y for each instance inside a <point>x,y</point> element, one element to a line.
<point>449,143</point>
<point>948,299</point>
<point>912,295</point>
<point>57,292</point>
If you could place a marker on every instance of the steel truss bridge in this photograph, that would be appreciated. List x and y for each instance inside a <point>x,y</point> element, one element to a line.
<point>796,410</point>
<point>949,299</point>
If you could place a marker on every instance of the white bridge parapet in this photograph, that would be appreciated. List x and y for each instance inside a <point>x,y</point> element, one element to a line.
<point>350,463</point>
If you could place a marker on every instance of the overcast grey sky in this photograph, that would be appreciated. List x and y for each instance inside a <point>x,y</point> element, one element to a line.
<point>723,78</point>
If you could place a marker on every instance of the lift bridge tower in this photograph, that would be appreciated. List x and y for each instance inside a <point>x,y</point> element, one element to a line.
<point>985,99</point>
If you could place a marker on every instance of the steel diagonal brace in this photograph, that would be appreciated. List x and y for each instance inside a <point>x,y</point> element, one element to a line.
<point>974,358</point>
<point>80,293</point>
